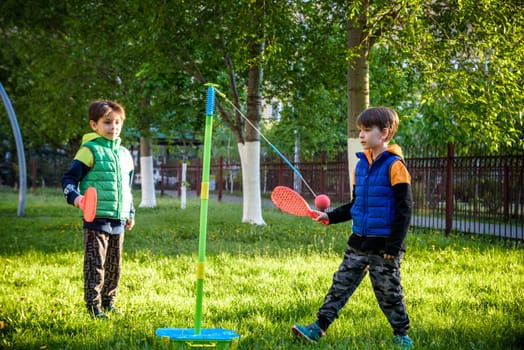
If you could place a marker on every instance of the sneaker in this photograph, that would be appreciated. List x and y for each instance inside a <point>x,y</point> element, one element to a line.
<point>112,309</point>
<point>311,332</point>
<point>404,341</point>
<point>97,313</point>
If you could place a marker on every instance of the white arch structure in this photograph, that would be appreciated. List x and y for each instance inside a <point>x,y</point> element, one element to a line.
<point>20,151</point>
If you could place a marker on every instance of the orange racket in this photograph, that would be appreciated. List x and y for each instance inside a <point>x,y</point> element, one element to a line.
<point>293,203</point>
<point>88,204</point>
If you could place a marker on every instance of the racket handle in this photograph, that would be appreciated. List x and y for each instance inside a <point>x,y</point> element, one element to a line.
<point>314,215</point>
<point>324,221</point>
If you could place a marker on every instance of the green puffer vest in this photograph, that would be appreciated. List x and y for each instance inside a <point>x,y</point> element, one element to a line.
<point>110,176</point>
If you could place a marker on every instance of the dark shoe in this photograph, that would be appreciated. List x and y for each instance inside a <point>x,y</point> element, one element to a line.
<point>97,313</point>
<point>311,332</point>
<point>113,310</point>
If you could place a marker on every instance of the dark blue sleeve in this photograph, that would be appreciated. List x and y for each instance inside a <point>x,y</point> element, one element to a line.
<point>72,178</point>
<point>342,213</point>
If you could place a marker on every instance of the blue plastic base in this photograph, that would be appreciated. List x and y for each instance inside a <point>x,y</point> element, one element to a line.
<point>186,338</point>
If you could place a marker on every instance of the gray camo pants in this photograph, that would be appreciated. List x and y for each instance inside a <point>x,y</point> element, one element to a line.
<point>385,278</point>
<point>102,267</point>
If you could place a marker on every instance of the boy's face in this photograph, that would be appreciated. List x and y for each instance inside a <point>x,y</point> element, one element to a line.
<point>109,126</point>
<point>372,138</point>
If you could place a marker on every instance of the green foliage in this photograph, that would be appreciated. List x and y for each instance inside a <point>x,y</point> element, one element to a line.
<point>451,68</point>
<point>472,89</point>
<point>313,119</point>
<point>463,292</point>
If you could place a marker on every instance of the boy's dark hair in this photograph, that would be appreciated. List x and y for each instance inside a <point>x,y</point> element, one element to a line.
<point>101,108</point>
<point>381,117</point>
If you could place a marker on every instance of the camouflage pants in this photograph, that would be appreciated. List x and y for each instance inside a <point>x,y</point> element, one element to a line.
<point>385,278</point>
<point>102,267</point>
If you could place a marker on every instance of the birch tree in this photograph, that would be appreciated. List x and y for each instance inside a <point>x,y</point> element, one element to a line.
<point>229,44</point>
<point>466,53</point>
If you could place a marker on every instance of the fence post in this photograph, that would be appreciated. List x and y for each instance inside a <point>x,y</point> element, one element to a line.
<point>198,177</point>
<point>341,183</point>
<point>281,172</point>
<point>449,189</point>
<point>162,177</point>
<point>34,167</point>
<point>220,180</point>
<point>323,169</point>
<point>507,195</point>
<point>179,177</point>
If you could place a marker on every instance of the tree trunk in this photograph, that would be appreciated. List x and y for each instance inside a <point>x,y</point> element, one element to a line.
<point>252,203</point>
<point>250,150</point>
<point>297,182</point>
<point>146,174</point>
<point>358,83</point>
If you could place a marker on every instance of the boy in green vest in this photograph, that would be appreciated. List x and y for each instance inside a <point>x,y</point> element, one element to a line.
<point>101,162</point>
<point>381,213</point>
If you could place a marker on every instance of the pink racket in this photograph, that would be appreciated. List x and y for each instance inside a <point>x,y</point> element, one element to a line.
<point>88,204</point>
<point>293,203</point>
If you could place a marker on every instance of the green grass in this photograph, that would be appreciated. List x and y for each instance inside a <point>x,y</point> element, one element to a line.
<point>462,292</point>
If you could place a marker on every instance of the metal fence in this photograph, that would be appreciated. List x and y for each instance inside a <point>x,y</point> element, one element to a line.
<point>466,194</point>
<point>482,195</point>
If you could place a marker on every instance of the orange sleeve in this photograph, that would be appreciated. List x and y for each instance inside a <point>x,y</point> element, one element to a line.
<point>399,173</point>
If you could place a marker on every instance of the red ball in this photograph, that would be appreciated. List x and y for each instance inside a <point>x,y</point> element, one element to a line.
<point>322,202</point>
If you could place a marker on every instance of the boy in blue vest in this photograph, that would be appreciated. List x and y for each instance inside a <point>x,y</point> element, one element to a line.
<point>103,163</point>
<point>381,213</point>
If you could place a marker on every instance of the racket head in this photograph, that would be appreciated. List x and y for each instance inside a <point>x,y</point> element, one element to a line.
<point>88,205</point>
<point>289,201</point>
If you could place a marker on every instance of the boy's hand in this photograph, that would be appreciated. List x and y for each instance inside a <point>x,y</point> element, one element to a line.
<point>322,217</point>
<point>78,200</point>
<point>130,223</point>
<point>389,257</point>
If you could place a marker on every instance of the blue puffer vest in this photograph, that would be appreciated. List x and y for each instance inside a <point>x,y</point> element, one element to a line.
<point>374,208</point>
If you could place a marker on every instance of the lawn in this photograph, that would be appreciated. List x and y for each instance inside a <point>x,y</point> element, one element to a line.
<point>462,292</point>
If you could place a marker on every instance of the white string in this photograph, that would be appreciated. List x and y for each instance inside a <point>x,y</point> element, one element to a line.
<point>265,139</point>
